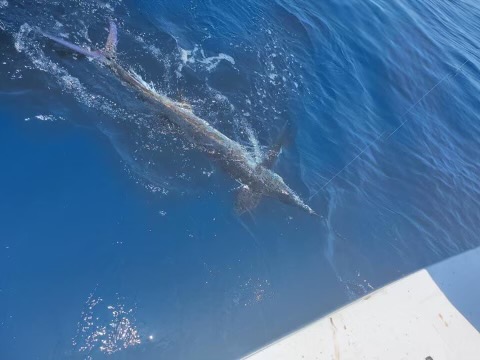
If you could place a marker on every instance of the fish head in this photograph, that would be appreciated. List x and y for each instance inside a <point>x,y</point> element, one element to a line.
<point>277,188</point>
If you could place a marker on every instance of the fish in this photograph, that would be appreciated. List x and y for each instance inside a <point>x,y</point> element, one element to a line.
<point>256,176</point>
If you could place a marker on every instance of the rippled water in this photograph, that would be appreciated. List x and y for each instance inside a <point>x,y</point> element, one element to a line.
<point>118,239</point>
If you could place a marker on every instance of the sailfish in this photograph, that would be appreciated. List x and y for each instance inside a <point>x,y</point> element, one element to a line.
<point>257,178</point>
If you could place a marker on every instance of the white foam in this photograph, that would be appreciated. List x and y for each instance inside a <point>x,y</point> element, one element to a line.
<point>197,55</point>
<point>152,49</point>
<point>46,118</point>
<point>185,55</point>
<point>213,61</point>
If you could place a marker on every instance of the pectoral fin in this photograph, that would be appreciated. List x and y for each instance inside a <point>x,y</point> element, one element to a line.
<point>247,199</point>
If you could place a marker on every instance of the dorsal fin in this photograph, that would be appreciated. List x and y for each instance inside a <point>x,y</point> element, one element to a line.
<point>272,153</point>
<point>110,49</point>
<point>184,105</point>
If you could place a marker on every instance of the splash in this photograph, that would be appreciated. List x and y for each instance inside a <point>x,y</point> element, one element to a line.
<point>106,328</point>
<point>252,291</point>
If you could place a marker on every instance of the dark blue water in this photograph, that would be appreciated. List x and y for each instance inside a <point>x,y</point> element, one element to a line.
<point>119,240</point>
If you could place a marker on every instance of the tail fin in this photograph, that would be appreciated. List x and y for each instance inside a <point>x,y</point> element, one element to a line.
<point>110,48</point>
<point>76,48</point>
<point>108,52</point>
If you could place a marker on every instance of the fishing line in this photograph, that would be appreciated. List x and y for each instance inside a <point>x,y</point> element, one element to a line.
<point>377,139</point>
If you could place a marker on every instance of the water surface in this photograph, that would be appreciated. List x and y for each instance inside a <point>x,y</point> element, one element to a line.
<point>119,240</point>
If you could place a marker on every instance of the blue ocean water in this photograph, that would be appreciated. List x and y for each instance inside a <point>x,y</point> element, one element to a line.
<point>119,240</point>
